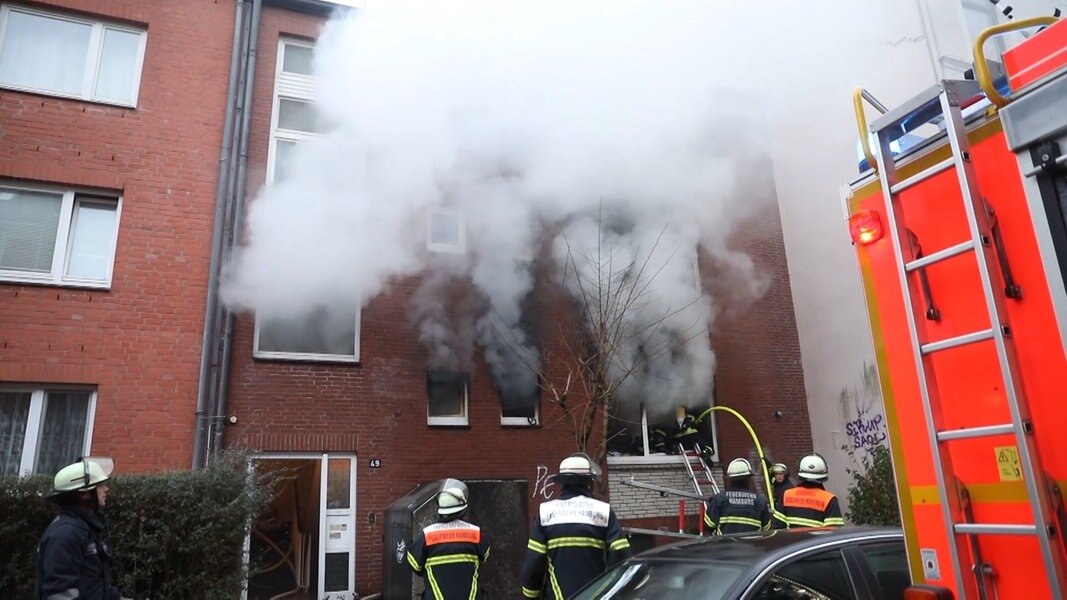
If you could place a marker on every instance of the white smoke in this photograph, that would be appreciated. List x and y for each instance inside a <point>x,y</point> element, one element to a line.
<point>608,124</point>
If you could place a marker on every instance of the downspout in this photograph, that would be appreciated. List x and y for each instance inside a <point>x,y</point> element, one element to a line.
<point>209,346</point>
<point>244,133</point>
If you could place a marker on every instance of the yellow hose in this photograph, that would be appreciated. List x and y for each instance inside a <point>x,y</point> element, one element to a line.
<point>759,448</point>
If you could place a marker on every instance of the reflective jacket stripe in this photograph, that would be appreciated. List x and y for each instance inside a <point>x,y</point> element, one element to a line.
<point>576,542</point>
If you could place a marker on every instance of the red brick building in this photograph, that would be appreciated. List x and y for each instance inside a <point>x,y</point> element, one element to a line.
<point>110,186</point>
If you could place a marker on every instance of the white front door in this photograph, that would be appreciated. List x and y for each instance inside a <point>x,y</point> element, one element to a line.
<point>337,528</point>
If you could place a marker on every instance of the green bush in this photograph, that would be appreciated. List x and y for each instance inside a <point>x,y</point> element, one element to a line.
<point>176,534</point>
<point>872,494</point>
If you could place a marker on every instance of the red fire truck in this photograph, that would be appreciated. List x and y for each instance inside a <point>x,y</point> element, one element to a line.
<point>962,243</point>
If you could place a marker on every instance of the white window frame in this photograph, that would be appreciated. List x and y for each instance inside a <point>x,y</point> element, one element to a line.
<point>34,422</point>
<point>307,356</point>
<point>288,86</point>
<point>452,421</point>
<point>662,459</point>
<point>460,247</point>
<point>92,60</point>
<point>299,88</point>
<point>523,421</point>
<point>61,252</point>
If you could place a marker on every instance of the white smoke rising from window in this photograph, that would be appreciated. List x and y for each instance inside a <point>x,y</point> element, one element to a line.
<point>519,115</point>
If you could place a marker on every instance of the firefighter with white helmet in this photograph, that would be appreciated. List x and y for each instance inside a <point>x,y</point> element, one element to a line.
<point>780,482</point>
<point>73,557</point>
<point>809,504</point>
<point>574,537</point>
<point>449,553</point>
<point>737,509</point>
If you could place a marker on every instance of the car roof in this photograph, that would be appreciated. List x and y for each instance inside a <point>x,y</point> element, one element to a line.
<point>766,546</point>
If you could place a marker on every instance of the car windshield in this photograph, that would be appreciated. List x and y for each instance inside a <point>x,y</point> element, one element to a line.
<point>678,580</point>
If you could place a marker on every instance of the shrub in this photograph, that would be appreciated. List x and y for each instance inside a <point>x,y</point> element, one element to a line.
<point>872,494</point>
<point>176,534</point>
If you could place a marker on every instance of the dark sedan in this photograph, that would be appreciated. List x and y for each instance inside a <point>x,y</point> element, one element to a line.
<point>825,564</point>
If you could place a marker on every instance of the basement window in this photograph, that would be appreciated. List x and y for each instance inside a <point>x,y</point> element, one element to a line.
<point>73,57</point>
<point>57,237</point>
<point>43,430</point>
<point>447,398</point>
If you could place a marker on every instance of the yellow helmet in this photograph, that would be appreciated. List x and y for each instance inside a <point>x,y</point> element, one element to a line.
<point>82,476</point>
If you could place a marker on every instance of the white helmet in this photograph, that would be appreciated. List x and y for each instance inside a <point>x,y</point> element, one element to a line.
<point>739,467</point>
<point>452,498</point>
<point>578,465</point>
<point>779,468</point>
<point>82,476</point>
<point>813,468</point>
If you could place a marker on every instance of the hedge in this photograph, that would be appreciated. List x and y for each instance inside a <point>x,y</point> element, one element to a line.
<point>176,534</point>
<point>872,494</point>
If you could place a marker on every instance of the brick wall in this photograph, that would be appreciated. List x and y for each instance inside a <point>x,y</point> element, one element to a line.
<point>139,342</point>
<point>633,503</point>
<point>759,371</point>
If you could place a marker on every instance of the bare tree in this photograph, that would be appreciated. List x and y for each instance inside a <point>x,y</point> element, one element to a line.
<point>596,349</point>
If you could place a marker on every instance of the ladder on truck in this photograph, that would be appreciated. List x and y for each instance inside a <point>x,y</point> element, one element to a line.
<point>705,476</point>
<point>951,97</point>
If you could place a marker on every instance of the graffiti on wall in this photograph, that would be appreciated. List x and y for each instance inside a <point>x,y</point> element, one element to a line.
<point>543,485</point>
<point>862,413</point>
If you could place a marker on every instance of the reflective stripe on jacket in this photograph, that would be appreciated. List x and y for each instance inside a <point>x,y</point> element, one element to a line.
<point>573,540</point>
<point>808,505</point>
<point>448,555</point>
<point>737,511</point>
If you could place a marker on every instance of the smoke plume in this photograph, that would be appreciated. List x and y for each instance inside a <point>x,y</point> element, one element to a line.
<point>619,127</point>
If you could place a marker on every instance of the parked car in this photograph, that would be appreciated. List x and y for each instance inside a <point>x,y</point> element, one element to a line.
<point>841,563</point>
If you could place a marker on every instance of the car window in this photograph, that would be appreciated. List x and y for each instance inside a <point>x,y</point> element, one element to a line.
<point>820,577</point>
<point>888,562</point>
<point>672,580</point>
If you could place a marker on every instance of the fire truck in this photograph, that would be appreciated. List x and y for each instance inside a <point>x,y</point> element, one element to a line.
<point>959,222</point>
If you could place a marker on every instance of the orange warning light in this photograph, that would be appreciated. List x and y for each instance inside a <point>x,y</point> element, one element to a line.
<point>865,227</point>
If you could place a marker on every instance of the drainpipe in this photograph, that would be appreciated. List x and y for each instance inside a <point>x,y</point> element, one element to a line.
<point>244,133</point>
<point>210,347</point>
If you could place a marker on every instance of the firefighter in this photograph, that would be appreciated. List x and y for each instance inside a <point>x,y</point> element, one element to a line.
<point>73,557</point>
<point>809,504</point>
<point>781,482</point>
<point>737,509</point>
<point>449,553</point>
<point>574,538</point>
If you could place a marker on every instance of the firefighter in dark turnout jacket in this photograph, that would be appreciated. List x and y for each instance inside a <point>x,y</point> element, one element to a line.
<point>781,482</point>
<point>73,557</point>
<point>809,504</point>
<point>449,553</point>
<point>737,509</point>
<point>574,538</point>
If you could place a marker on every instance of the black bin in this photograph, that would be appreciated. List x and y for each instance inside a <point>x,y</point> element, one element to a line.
<point>499,506</point>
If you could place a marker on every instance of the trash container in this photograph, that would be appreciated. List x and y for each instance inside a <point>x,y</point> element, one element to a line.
<point>498,506</point>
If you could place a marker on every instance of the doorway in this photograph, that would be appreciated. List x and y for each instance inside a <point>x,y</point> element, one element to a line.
<point>303,547</point>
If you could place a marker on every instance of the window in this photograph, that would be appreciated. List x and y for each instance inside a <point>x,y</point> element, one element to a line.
<point>516,379</point>
<point>43,430</point>
<point>70,56</point>
<point>447,398</point>
<point>294,118</point>
<point>57,237</point>
<point>820,577</point>
<point>321,334</point>
<point>634,438</point>
<point>445,232</point>
<point>889,564</point>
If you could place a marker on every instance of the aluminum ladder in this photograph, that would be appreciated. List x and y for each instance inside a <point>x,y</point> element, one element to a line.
<point>952,97</point>
<point>694,477</point>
